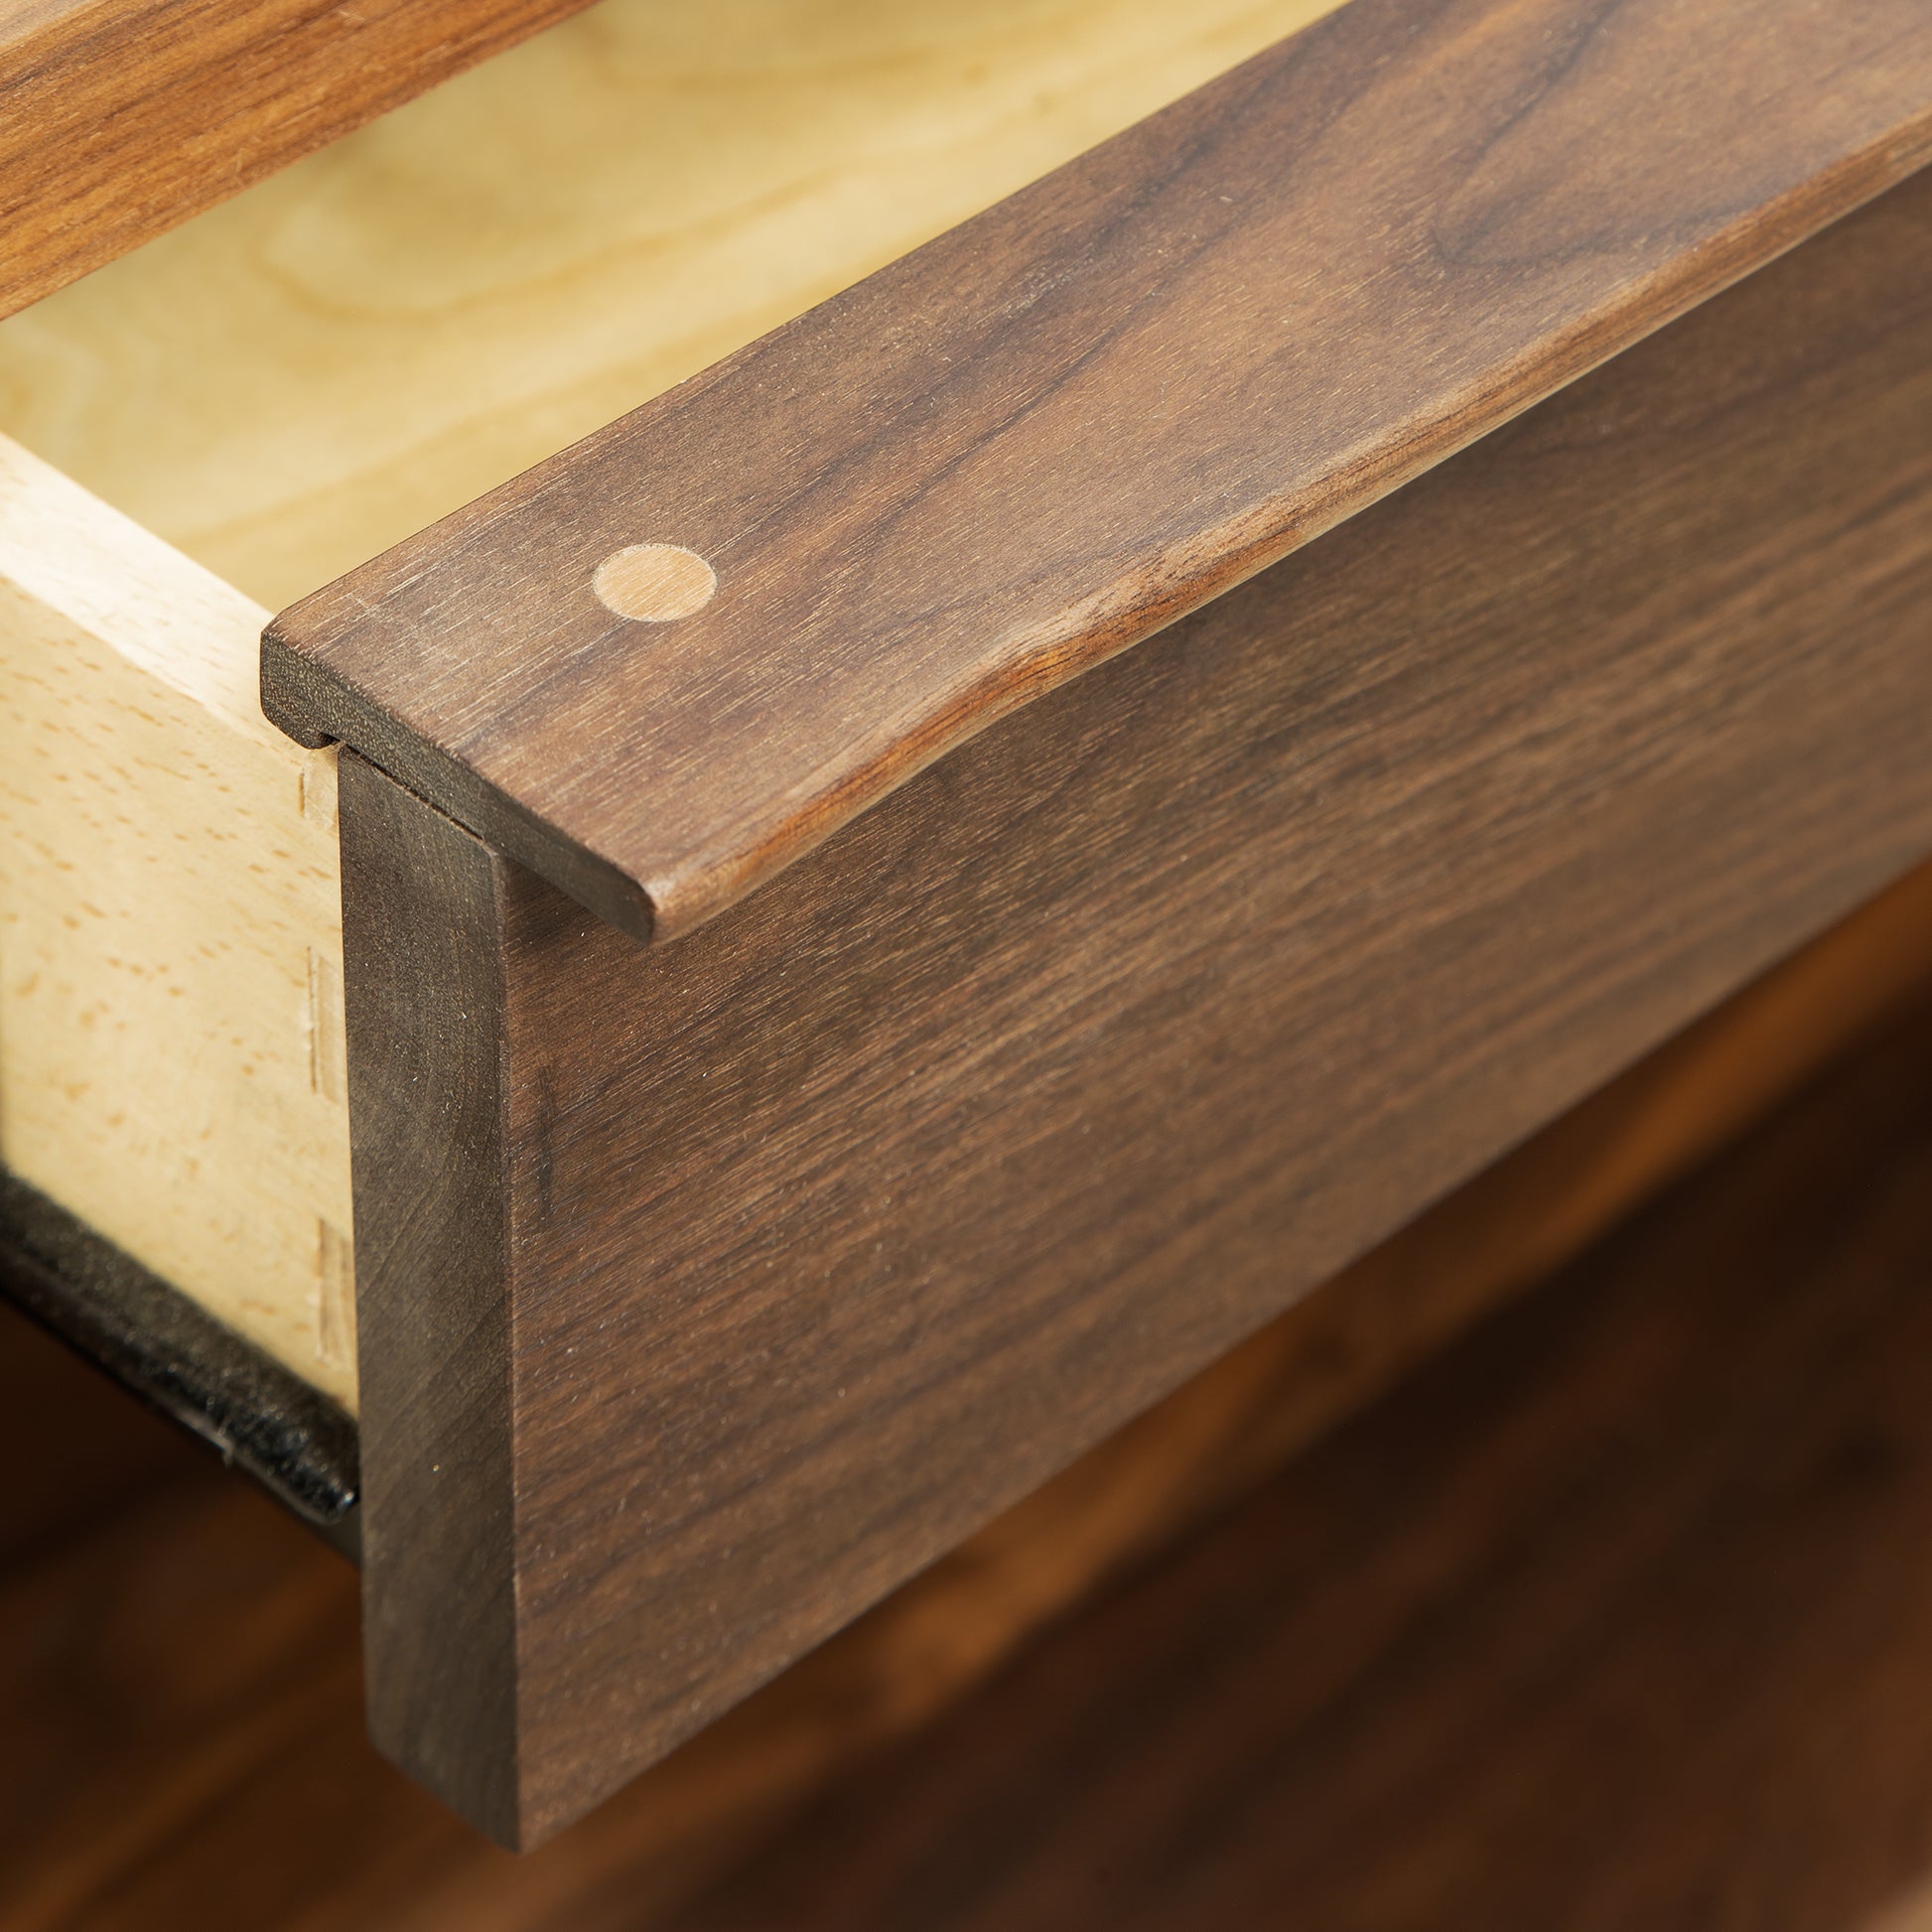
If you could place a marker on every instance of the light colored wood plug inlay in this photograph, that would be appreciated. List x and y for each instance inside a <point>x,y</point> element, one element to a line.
<point>654,583</point>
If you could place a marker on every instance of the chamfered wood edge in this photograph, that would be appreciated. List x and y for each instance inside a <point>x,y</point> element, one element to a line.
<point>124,120</point>
<point>300,1446</point>
<point>455,791</point>
<point>744,789</point>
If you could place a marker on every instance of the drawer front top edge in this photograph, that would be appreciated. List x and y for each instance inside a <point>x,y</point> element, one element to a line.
<point>669,660</point>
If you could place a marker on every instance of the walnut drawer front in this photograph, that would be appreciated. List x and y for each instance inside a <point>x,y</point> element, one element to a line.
<point>796,1063</point>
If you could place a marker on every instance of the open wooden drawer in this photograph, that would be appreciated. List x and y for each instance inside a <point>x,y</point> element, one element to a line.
<point>794,1065</point>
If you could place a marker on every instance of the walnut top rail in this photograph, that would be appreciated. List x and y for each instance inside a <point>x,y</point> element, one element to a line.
<point>669,661</point>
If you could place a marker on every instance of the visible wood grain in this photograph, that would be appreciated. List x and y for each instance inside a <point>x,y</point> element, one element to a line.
<point>124,119</point>
<point>1085,412</point>
<point>1516,1223</point>
<point>170,1043</point>
<point>248,1407</point>
<point>440,300</point>
<point>211,1748</point>
<point>1618,1615</point>
<point>841,1224</point>
<point>367,340</point>
<point>434,1358</point>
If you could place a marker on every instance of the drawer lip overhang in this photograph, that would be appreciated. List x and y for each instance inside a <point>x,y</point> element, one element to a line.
<point>1274,301</point>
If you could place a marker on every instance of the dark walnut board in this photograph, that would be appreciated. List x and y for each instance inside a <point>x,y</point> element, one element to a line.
<point>771,1262</point>
<point>819,1066</point>
<point>720,1265</point>
<point>1617,1615</point>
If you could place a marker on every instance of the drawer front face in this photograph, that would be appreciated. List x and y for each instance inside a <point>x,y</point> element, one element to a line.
<point>367,340</point>
<point>818,1062</point>
<point>790,1251</point>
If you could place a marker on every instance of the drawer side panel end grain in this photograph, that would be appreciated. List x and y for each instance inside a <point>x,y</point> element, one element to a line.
<point>424,997</point>
<point>1090,409</point>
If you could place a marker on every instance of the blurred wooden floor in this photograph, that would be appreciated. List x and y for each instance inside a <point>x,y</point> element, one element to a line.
<point>1616,1614</point>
